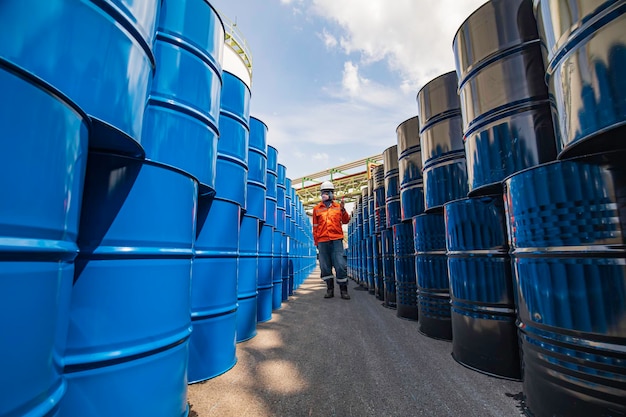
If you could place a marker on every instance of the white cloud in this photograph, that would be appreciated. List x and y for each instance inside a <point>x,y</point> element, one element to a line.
<point>329,40</point>
<point>413,36</point>
<point>320,156</point>
<point>351,81</point>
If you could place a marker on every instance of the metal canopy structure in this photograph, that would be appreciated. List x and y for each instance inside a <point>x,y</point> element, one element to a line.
<point>348,180</point>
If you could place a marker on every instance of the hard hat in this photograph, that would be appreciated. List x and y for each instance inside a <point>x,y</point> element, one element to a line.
<point>327,185</point>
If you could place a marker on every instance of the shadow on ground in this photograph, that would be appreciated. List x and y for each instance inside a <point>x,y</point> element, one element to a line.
<point>331,357</point>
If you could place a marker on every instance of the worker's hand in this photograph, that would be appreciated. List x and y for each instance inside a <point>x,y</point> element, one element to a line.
<point>341,204</point>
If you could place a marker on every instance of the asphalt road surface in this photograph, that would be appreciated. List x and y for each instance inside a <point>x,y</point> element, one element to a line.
<point>331,357</point>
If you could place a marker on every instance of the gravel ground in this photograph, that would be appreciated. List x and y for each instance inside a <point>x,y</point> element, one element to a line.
<point>332,357</point>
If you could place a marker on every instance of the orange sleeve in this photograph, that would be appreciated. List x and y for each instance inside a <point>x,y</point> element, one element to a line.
<point>315,226</point>
<point>345,217</point>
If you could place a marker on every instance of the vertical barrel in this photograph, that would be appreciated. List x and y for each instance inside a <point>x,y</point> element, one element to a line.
<point>181,119</point>
<point>232,148</point>
<point>392,186</point>
<point>431,269</point>
<point>281,226</point>
<point>37,239</point>
<point>567,228</point>
<point>214,289</point>
<point>410,169</point>
<point>257,169</point>
<point>380,213</point>
<point>389,273</point>
<point>247,278</point>
<point>404,266</point>
<point>585,54</point>
<point>264,287</point>
<point>114,47</point>
<point>271,180</point>
<point>507,124</point>
<point>481,288</point>
<point>129,317</point>
<point>441,133</point>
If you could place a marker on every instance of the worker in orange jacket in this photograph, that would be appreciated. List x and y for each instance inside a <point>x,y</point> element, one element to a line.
<point>328,216</point>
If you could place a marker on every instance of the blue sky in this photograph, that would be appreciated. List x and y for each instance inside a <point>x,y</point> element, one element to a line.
<point>333,79</point>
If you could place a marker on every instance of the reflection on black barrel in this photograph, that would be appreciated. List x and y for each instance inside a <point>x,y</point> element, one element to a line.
<point>567,227</point>
<point>441,133</point>
<point>507,123</point>
<point>484,335</point>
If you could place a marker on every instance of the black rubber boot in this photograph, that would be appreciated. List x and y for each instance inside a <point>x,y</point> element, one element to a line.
<point>343,288</point>
<point>330,288</point>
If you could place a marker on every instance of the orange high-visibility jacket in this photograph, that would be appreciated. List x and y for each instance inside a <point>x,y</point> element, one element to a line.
<point>327,222</point>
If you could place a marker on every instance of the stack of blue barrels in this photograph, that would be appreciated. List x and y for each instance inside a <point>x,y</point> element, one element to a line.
<point>123,306</point>
<point>135,196</point>
<point>271,204</point>
<point>507,127</point>
<point>266,239</point>
<point>392,217</point>
<point>251,221</point>
<point>215,270</point>
<point>411,204</point>
<point>567,223</point>
<point>445,179</point>
<point>380,223</point>
<point>282,291</point>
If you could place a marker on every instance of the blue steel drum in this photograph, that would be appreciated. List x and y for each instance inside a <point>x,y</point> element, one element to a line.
<point>265,283</point>
<point>214,289</point>
<point>507,121</point>
<point>392,187</point>
<point>584,45</point>
<point>371,206</point>
<point>106,70</point>
<point>232,148</point>
<point>284,268</point>
<point>281,189</point>
<point>441,133</point>
<point>45,160</point>
<point>257,169</point>
<point>380,213</point>
<point>404,266</point>
<point>277,269</point>
<point>369,264</point>
<point>379,286</point>
<point>389,272</point>
<point>181,119</point>
<point>247,277</point>
<point>481,287</point>
<point>410,169</point>
<point>129,317</point>
<point>567,228</point>
<point>431,269</point>
<point>271,180</point>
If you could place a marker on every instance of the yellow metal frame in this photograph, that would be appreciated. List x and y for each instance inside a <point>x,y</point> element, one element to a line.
<point>347,186</point>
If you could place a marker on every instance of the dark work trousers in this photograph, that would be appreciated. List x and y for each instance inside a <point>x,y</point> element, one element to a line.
<point>331,256</point>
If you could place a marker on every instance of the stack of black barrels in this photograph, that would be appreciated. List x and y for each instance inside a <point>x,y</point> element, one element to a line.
<point>518,204</point>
